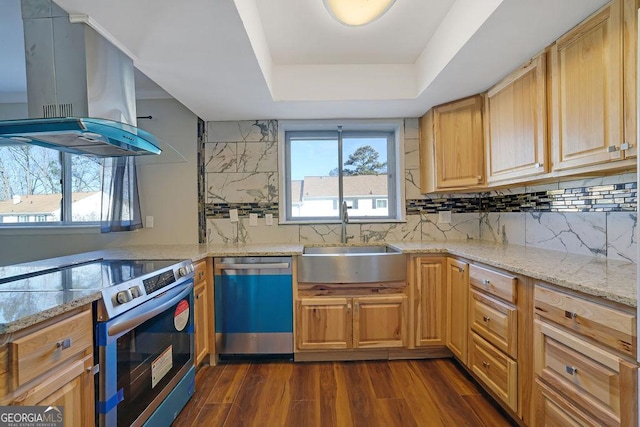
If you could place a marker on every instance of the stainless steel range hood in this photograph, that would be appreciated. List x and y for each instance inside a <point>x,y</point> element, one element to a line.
<point>80,90</point>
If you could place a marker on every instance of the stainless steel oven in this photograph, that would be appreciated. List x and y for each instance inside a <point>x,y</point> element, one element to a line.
<point>145,348</point>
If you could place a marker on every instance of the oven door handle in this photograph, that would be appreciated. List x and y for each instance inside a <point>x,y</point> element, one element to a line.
<point>142,313</point>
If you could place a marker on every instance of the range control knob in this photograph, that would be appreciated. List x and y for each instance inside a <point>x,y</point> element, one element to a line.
<point>135,291</point>
<point>124,297</point>
<point>183,271</point>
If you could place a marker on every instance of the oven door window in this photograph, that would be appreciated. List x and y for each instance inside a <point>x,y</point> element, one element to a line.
<point>150,355</point>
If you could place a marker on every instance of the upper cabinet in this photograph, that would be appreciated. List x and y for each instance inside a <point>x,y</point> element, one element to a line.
<point>516,124</point>
<point>452,146</point>
<point>592,105</point>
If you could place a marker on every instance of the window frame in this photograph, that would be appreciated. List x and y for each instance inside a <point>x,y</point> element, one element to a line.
<point>395,154</point>
<point>66,201</point>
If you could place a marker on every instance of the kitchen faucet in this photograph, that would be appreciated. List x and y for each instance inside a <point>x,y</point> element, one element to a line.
<point>344,237</point>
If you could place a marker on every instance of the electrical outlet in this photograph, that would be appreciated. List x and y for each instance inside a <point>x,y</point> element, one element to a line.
<point>233,215</point>
<point>149,221</point>
<point>253,220</point>
<point>268,219</point>
<point>444,217</point>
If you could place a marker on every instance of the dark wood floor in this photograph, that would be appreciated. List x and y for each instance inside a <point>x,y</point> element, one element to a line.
<point>381,393</point>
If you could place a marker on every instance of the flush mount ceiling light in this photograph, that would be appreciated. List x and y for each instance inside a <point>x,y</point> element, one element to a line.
<point>357,12</point>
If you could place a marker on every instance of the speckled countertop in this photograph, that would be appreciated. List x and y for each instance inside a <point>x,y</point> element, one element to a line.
<point>611,280</point>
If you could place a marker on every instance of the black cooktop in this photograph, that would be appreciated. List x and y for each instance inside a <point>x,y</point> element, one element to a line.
<point>92,275</point>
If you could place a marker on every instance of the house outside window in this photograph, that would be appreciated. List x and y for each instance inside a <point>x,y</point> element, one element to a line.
<point>322,167</point>
<point>41,186</point>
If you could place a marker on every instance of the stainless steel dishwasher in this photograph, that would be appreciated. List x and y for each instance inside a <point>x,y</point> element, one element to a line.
<point>253,305</point>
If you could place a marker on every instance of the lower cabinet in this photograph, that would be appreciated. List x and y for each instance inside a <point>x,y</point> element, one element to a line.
<point>497,371</point>
<point>201,316</point>
<point>51,364</point>
<point>582,375</point>
<point>430,293</point>
<point>332,323</point>
<point>457,308</point>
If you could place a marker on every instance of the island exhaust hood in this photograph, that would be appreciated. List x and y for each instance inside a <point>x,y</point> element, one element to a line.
<point>80,90</point>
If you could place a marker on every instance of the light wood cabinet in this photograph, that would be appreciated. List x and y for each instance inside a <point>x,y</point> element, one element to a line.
<point>202,311</point>
<point>51,363</point>
<point>359,322</point>
<point>580,374</point>
<point>452,146</point>
<point>497,371</point>
<point>590,91</point>
<point>457,308</point>
<point>324,323</point>
<point>430,312</point>
<point>516,125</point>
<point>201,315</point>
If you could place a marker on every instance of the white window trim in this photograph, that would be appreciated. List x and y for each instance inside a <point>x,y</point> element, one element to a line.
<point>383,125</point>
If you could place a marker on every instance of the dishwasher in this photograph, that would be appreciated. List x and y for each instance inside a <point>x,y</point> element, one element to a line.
<point>253,306</point>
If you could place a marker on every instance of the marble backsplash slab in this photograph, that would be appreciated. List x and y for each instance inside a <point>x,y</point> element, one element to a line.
<point>610,235</point>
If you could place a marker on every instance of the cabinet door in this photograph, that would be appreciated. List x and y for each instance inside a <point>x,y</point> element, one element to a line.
<point>459,144</point>
<point>201,315</point>
<point>587,91</point>
<point>380,322</point>
<point>70,387</point>
<point>516,124</point>
<point>323,323</point>
<point>430,295</point>
<point>457,308</point>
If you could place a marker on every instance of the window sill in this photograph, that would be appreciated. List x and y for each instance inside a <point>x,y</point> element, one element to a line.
<point>30,230</point>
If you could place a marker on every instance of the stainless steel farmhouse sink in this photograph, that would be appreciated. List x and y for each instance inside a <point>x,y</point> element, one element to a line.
<point>351,264</point>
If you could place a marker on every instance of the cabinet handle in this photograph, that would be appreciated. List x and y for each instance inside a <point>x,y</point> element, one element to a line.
<point>625,146</point>
<point>460,270</point>
<point>538,165</point>
<point>486,364</point>
<point>357,306</point>
<point>197,296</point>
<point>612,149</point>
<point>570,315</point>
<point>571,370</point>
<point>348,306</point>
<point>64,344</point>
<point>486,282</point>
<point>486,318</point>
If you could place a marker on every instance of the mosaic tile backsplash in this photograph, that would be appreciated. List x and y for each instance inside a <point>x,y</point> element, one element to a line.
<point>595,216</point>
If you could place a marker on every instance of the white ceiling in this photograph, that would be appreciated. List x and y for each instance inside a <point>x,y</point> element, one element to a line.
<point>255,59</point>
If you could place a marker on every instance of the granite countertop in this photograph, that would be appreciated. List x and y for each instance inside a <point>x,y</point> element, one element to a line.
<point>611,280</point>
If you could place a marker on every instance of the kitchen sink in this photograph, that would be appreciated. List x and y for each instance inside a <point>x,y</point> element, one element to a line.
<point>351,264</point>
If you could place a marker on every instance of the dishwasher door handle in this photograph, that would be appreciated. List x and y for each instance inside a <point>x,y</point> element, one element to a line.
<point>266,266</point>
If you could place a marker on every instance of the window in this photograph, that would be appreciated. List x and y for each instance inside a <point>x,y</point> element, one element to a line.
<point>379,204</point>
<point>324,167</point>
<point>47,187</point>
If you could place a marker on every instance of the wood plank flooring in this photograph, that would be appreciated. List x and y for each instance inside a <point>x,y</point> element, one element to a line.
<point>380,393</point>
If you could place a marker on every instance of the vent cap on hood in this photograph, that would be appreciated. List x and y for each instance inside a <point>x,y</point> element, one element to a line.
<point>72,73</point>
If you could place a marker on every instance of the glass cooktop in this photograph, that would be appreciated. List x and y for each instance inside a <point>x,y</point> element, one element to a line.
<point>92,275</point>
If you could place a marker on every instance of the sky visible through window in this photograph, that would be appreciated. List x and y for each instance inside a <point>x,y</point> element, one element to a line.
<point>318,158</point>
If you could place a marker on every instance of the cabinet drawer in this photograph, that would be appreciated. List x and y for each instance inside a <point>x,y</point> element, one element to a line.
<point>553,410</point>
<point>200,272</point>
<point>497,371</point>
<point>494,321</point>
<point>494,283</point>
<point>48,348</point>
<point>609,326</point>
<point>584,373</point>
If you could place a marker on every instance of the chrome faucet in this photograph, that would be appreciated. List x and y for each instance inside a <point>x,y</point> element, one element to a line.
<point>344,220</point>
